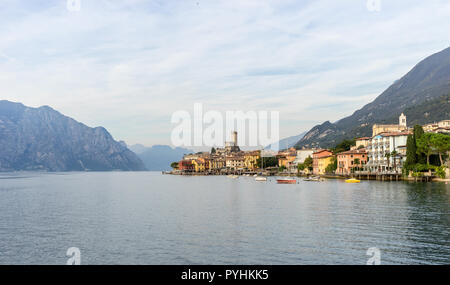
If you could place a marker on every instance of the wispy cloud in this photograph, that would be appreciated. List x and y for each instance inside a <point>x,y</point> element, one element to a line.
<point>127,65</point>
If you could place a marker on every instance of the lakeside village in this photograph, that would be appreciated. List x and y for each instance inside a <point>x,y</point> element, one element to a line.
<point>394,152</point>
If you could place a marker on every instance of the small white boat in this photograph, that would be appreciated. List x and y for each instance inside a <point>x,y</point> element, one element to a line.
<point>261,178</point>
<point>233,176</point>
<point>314,178</point>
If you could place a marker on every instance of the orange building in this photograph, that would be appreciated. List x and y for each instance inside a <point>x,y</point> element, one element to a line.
<point>349,159</point>
<point>286,160</point>
<point>286,157</point>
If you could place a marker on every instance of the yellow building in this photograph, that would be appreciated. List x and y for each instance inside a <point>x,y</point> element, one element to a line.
<point>361,143</point>
<point>322,163</point>
<point>235,162</point>
<point>401,127</point>
<point>251,159</point>
<point>199,165</point>
<point>217,163</point>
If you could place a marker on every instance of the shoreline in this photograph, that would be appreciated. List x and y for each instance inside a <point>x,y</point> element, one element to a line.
<point>365,177</point>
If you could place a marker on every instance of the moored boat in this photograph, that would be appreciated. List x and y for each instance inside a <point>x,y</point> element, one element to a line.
<point>313,178</point>
<point>352,180</point>
<point>287,181</point>
<point>259,178</point>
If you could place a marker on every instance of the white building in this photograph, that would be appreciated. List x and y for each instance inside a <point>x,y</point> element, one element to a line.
<point>386,143</point>
<point>302,154</point>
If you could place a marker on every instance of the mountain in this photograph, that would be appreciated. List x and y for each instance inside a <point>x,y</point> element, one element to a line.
<point>429,111</point>
<point>137,148</point>
<point>44,139</point>
<point>286,142</point>
<point>159,157</point>
<point>428,80</point>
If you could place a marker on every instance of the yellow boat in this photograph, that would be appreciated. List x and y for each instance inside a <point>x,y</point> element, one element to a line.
<point>352,180</point>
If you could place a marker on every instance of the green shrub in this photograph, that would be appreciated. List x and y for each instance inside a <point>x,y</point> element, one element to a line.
<point>440,171</point>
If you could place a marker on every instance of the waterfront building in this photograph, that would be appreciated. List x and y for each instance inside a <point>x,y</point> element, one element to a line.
<point>300,157</point>
<point>349,160</point>
<point>185,165</point>
<point>235,162</point>
<point>199,165</point>
<point>401,127</point>
<point>321,159</point>
<point>381,148</point>
<point>286,158</point>
<point>303,154</point>
<point>251,159</point>
<point>217,163</point>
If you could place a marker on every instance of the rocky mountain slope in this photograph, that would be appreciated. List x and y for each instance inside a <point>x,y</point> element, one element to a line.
<point>43,139</point>
<point>428,80</point>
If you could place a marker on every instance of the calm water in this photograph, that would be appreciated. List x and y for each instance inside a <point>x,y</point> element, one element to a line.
<point>148,218</point>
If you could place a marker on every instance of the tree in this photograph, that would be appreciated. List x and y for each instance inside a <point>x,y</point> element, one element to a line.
<point>174,165</point>
<point>394,155</point>
<point>440,144</point>
<point>332,166</point>
<point>388,156</point>
<point>418,132</point>
<point>213,150</point>
<point>411,152</point>
<point>344,146</point>
<point>425,146</point>
<point>308,163</point>
<point>268,162</point>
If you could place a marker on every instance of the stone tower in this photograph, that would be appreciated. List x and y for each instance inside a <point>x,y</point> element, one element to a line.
<point>402,120</point>
<point>234,138</point>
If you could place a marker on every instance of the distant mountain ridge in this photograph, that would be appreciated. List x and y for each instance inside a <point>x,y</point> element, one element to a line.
<point>44,139</point>
<point>428,80</point>
<point>286,142</point>
<point>159,157</point>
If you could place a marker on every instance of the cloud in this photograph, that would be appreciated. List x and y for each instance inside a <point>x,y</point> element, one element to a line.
<point>127,65</point>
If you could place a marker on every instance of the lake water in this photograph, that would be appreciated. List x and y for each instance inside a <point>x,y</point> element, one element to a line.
<point>149,218</point>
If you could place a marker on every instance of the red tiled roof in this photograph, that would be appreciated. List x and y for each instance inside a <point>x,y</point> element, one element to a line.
<point>394,134</point>
<point>354,151</point>
<point>321,150</point>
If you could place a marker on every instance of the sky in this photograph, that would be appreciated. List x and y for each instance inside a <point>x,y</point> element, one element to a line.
<point>129,65</point>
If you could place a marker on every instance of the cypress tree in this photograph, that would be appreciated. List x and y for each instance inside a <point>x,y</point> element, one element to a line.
<point>411,152</point>
<point>418,132</point>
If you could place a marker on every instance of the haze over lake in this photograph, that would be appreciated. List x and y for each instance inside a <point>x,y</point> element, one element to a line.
<point>149,218</point>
